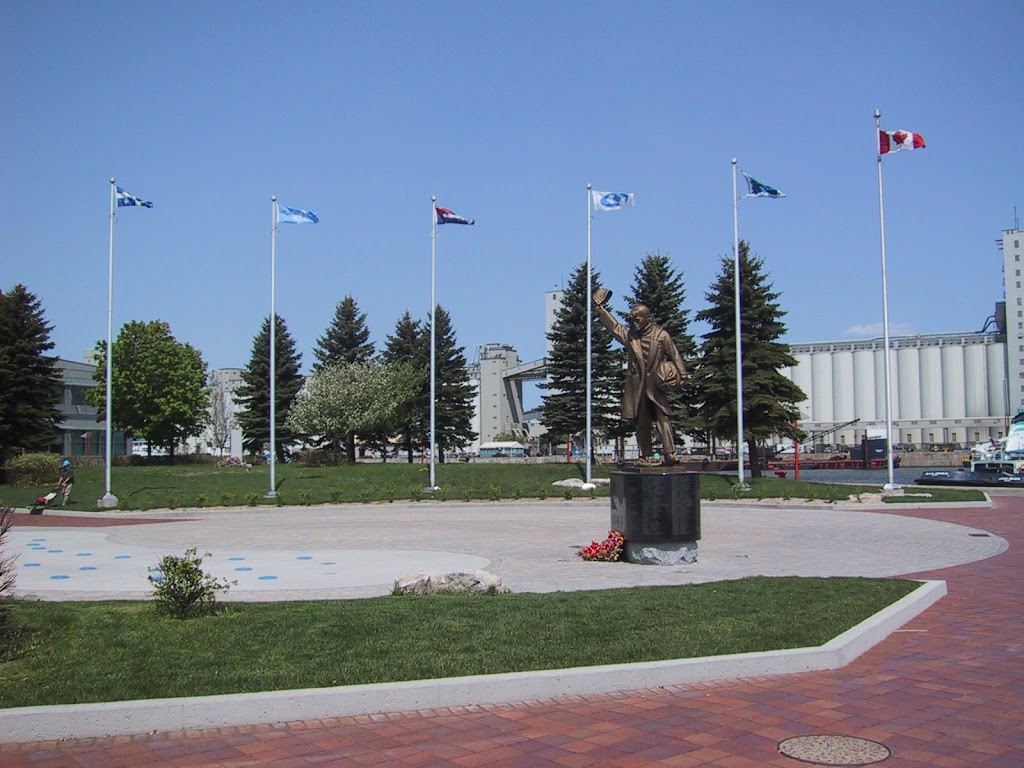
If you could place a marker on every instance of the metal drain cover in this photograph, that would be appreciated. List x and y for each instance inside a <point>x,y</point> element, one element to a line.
<point>834,750</point>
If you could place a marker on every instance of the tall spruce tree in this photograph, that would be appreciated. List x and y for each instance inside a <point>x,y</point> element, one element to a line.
<point>661,289</point>
<point>453,406</point>
<point>565,404</point>
<point>769,398</point>
<point>410,344</point>
<point>30,383</point>
<point>253,395</point>
<point>346,340</point>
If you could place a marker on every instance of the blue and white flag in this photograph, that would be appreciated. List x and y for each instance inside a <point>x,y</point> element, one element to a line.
<point>756,189</point>
<point>124,199</point>
<point>611,201</point>
<point>286,215</point>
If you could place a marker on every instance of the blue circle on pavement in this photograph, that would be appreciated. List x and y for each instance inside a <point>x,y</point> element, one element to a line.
<point>243,568</point>
<point>60,576</point>
<point>55,551</point>
<point>31,565</point>
<point>122,557</point>
<point>304,557</point>
<point>267,578</point>
<point>87,568</point>
<point>231,559</point>
<point>84,554</point>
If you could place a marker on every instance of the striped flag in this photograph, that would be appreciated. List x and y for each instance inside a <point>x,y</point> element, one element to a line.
<point>286,215</point>
<point>445,216</point>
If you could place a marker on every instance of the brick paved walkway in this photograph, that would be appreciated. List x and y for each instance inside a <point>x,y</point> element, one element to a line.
<point>946,691</point>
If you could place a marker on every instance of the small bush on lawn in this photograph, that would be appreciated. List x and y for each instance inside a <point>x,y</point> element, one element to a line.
<point>32,469</point>
<point>181,588</point>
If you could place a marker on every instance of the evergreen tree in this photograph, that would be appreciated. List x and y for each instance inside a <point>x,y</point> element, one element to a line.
<point>347,339</point>
<point>565,404</point>
<point>769,398</point>
<point>410,344</point>
<point>661,289</point>
<point>30,383</point>
<point>453,406</point>
<point>253,396</point>
<point>158,390</point>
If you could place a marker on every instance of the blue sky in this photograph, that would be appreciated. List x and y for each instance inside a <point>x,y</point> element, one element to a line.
<point>361,111</point>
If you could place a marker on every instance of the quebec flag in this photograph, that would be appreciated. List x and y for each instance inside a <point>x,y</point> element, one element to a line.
<point>286,215</point>
<point>611,201</point>
<point>124,199</point>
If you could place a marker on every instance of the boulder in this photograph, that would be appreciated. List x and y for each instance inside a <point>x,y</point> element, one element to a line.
<point>459,583</point>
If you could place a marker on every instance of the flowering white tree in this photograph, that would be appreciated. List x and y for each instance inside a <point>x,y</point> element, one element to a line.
<point>346,400</point>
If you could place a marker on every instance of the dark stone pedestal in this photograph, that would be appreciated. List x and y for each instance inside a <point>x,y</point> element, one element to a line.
<point>657,509</point>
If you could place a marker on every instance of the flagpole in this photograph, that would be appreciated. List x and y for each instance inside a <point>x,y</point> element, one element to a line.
<point>109,500</point>
<point>273,347</point>
<point>433,331</point>
<point>891,485</point>
<point>739,344</point>
<point>590,321</point>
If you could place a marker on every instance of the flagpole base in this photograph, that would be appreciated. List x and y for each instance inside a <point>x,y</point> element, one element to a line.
<point>892,487</point>
<point>432,489</point>
<point>109,501</point>
<point>270,495</point>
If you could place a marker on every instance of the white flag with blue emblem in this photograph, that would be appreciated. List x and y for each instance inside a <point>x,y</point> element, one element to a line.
<point>286,215</point>
<point>756,189</point>
<point>611,201</point>
<point>124,199</point>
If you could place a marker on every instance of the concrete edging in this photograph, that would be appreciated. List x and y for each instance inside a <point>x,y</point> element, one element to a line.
<point>122,718</point>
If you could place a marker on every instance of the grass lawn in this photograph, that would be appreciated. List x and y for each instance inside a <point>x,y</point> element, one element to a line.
<point>66,652</point>
<point>206,485</point>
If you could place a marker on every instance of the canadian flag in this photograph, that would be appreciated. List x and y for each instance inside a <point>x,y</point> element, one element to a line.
<point>894,141</point>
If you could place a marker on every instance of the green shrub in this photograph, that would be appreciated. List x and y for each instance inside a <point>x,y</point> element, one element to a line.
<point>336,495</point>
<point>227,499</point>
<point>32,469</point>
<point>201,500</point>
<point>173,501</point>
<point>181,588</point>
<point>252,499</point>
<point>305,498</point>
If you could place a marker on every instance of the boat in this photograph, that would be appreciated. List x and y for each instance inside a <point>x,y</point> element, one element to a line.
<point>997,463</point>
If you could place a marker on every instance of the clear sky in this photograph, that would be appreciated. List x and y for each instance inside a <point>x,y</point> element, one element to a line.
<point>361,111</point>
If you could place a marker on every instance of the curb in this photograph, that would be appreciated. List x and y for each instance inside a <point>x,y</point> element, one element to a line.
<point>124,718</point>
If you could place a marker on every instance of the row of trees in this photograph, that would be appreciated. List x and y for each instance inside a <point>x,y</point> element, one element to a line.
<point>356,392</point>
<point>706,408</point>
<point>161,392</point>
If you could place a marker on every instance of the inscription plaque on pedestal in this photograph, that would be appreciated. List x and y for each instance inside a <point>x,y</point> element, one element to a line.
<point>658,511</point>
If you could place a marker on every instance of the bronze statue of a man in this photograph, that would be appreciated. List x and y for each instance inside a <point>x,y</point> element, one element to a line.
<point>655,369</point>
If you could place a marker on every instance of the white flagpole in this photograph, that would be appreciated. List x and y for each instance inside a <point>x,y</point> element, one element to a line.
<point>590,321</point>
<point>273,346</point>
<point>739,344</point>
<point>433,331</point>
<point>109,500</point>
<point>891,485</point>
